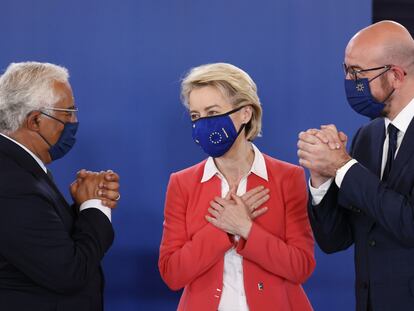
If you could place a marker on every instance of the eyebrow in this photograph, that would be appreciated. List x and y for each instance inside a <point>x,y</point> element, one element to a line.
<point>207,108</point>
<point>354,66</point>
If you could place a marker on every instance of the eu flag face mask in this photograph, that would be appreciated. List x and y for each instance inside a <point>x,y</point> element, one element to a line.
<point>358,94</point>
<point>216,134</point>
<point>66,140</point>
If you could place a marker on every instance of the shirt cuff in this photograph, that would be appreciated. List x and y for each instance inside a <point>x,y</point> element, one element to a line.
<point>341,172</point>
<point>96,203</point>
<point>319,193</point>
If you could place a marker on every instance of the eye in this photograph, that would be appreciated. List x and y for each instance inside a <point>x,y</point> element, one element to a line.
<point>194,116</point>
<point>212,112</point>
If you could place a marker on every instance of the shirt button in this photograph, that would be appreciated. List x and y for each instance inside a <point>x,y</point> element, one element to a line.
<point>372,243</point>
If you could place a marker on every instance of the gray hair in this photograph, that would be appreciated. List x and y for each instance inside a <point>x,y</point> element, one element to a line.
<point>27,87</point>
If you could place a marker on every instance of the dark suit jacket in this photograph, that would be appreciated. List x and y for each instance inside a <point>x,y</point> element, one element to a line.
<point>378,217</point>
<point>49,256</point>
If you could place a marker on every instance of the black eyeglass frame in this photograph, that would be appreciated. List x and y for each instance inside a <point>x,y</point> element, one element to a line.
<point>354,72</point>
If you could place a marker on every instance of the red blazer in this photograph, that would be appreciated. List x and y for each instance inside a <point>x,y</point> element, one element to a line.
<point>277,257</point>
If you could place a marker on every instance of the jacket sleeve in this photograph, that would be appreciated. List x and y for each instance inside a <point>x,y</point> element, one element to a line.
<point>35,241</point>
<point>183,258</point>
<point>392,210</point>
<point>330,221</point>
<point>293,257</point>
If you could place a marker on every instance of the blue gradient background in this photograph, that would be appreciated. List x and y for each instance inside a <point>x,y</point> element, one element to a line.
<point>126,59</point>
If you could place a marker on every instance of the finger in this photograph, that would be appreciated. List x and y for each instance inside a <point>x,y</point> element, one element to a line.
<point>111,176</point>
<point>108,194</point>
<point>302,154</point>
<point>81,174</point>
<point>330,126</point>
<point>259,202</point>
<point>259,212</point>
<point>252,192</point>
<point>223,201</point>
<point>110,204</point>
<point>343,137</point>
<point>211,220</point>
<point>237,199</point>
<point>216,206</point>
<point>332,136</point>
<point>74,186</point>
<point>309,138</point>
<point>305,163</point>
<point>312,131</point>
<point>109,185</point>
<point>213,212</point>
<point>306,146</point>
<point>257,196</point>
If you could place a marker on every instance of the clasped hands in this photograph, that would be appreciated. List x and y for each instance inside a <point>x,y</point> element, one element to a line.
<point>234,214</point>
<point>93,185</point>
<point>323,152</point>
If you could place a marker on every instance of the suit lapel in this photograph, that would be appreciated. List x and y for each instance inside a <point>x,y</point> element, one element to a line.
<point>404,154</point>
<point>378,137</point>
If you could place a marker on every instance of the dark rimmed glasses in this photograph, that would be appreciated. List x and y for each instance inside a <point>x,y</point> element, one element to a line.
<point>353,72</point>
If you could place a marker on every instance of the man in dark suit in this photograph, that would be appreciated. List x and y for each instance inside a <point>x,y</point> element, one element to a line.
<point>366,197</point>
<point>50,252</point>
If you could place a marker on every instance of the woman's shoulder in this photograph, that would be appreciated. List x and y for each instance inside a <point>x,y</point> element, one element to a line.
<point>192,172</point>
<point>281,167</point>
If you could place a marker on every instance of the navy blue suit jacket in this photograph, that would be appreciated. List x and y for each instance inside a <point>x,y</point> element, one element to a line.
<point>49,256</point>
<point>376,216</point>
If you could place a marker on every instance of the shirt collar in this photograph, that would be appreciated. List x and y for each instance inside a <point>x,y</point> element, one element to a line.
<point>258,167</point>
<point>403,119</point>
<point>41,164</point>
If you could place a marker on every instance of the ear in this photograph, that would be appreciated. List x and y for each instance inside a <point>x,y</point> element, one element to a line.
<point>33,121</point>
<point>398,76</point>
<point>247,113</point>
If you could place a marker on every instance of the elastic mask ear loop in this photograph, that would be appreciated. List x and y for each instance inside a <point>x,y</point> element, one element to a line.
<point>379,74</point>
<point>52,117</point>
<point>56,119</point>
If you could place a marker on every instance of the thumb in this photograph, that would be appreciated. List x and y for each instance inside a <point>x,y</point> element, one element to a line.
<point>343,137</point>
<point>74,187</point>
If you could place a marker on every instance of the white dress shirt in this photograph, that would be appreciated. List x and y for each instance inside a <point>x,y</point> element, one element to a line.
<point>93,203</point>
<point>233,297</point>
<point>401,122</point>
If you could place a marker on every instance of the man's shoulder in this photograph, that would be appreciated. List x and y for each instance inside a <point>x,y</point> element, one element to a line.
<point>280,167</point>
<point>13,176</point>
<point>373,125</point>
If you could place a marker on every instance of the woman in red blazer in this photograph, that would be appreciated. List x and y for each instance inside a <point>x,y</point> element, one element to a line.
<point>228,250</point>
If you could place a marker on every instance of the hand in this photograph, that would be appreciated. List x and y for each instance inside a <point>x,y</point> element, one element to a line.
<point>92,185</point>
<point>254,198</point>
<point>328,134</point>
<point>230,215</point>
<point>318,157</point>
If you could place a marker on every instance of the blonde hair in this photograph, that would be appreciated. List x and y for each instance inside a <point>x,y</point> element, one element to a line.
<point>233,83</point>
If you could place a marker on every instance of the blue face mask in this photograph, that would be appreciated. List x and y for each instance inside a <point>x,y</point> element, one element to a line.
<point>216,134</point>
<point>358,94</point>
<point>66,140</point>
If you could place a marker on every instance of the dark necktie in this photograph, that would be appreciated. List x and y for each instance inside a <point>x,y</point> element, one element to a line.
<point>49,174</point>
<point>392,148</point>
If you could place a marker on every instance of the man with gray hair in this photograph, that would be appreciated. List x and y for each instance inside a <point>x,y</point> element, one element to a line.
<point>50,252</point>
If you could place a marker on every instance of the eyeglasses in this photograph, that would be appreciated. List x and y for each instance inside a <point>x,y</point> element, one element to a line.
<point>354,72</point>
<point>69,111</point>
